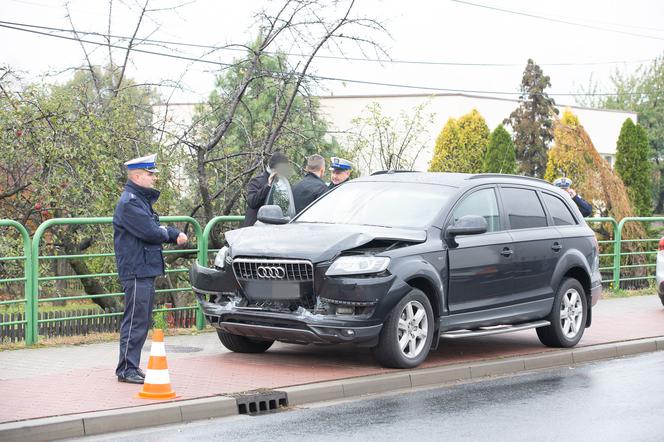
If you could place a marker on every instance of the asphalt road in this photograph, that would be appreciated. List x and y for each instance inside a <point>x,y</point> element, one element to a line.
<point>621,399</point>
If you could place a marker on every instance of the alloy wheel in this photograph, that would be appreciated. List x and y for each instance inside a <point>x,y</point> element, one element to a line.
<point>571,313</point>
<point>413,328</point>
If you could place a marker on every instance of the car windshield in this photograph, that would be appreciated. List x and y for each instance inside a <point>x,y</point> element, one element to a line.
<point>388,204</point>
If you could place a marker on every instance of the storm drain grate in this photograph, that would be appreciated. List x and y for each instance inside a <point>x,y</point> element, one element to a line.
<point>260,403</point>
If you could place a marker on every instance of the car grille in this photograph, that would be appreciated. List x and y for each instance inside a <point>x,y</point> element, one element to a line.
<point>251,269</point>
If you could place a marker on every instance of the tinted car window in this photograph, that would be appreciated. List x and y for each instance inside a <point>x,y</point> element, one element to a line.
<point>523,208</point>
<point>391,204</point>
<point>559,211</point>
<point>483,203</point>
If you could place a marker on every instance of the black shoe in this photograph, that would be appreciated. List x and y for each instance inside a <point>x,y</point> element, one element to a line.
<point>131,378</point>
<point>140,372</point>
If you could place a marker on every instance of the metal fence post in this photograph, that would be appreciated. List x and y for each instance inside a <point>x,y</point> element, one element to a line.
<point>617,238</point>
<point>30,338</point>
<point>27,276</point>
<point>198,231</point>
<point>36,239</point>
<point>615,270</point>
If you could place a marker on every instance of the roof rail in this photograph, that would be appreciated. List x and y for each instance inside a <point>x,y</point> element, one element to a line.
<point>505,175</point>
<point>383,172</point>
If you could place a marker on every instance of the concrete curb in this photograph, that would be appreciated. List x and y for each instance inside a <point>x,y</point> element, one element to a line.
<point>99,422</point>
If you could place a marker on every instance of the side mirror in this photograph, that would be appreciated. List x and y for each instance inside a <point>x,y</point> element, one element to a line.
<point>272,214</point>
<point>467,225</point>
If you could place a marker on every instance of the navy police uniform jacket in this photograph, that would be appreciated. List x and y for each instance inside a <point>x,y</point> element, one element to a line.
<point>137,235</point>
<point>584,206</point>
<point>307,191</point>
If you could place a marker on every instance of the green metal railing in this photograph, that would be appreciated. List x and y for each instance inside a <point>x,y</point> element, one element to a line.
<point>615,252</point>
<point>34,299</point>
<point>648,254</point>
<point>615,262</point>
<point>25,279</point>
<point>205,240</point>
<point>621,260</point>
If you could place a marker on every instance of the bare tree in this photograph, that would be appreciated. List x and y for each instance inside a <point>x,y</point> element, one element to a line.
<point>309,25</point>
<point>380,142</point>
<point>220,171</point>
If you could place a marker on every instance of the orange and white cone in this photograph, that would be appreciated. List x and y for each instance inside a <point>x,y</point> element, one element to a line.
<point>157,384</point>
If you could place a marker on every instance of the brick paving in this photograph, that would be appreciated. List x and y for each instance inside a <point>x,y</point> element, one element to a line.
<point>73,379</point>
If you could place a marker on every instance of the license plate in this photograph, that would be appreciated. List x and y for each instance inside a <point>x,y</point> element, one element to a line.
<point>272,290</point>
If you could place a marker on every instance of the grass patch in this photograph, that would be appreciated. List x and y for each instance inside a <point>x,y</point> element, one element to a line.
<point>95,338</point>
<point>50,307</point>
<point>621,293</point>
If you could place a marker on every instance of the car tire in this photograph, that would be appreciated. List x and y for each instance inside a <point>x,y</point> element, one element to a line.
<point>405,323</point>
<point>568,316</point>
<point>242,344</point>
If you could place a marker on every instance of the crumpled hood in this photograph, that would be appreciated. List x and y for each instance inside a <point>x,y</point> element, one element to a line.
<point>315,242</point>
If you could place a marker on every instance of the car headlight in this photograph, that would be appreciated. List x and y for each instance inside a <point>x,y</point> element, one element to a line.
<point>358,265</point>
<point>220,259</point>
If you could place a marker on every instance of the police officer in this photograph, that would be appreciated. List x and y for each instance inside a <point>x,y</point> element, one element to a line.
<point>584,206</point>
<point>340,171</point>
<point>138,240</point>
<point>312,185</point>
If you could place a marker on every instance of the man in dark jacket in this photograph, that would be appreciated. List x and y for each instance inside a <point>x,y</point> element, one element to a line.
<point>138,240</point>
<point>259,188</point>
<point>312,185</point>
<point>584,206</point>
<point>340,169</point>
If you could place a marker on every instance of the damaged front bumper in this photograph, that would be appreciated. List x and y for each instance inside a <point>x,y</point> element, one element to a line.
<point>221,300</point>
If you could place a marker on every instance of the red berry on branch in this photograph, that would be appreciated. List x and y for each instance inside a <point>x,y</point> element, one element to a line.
<point>19,133</point>
<point>38,206</point>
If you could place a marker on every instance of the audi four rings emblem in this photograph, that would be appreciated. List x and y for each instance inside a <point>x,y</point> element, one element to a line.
<point>266,272</point>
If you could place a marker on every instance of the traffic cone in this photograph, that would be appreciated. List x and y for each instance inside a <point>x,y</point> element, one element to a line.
<point>157,384</point>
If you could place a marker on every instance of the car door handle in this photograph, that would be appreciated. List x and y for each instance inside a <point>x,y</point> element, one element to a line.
<point>556,247</point>
<point>507,252</point>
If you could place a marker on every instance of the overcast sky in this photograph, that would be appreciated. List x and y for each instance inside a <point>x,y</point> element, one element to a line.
<point>421,30</point>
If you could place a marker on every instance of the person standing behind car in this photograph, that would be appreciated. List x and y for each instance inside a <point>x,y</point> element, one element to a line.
<point>137,241</point>
<point>340,171</point>
<point>584,206</point>
<point>259,188</point>
<point>312,185</point>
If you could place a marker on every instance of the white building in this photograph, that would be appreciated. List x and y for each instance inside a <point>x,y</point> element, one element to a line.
<point>603,126</point>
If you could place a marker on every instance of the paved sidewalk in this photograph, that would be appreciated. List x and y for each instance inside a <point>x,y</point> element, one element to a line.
<point>74,379</point>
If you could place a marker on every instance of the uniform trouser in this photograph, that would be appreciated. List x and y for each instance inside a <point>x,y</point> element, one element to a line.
<point>139,297</point>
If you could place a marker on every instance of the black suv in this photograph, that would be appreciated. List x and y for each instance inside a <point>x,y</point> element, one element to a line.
<point>396,261</point>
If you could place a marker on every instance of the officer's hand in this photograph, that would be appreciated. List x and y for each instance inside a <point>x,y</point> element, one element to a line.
<point>270,180</point>
<point>182,239</point>
<point>571,192</point>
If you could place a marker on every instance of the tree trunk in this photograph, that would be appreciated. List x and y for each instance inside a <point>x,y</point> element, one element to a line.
<point>208,212</point>
<point>60,267</point>
<point>93,287</point>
